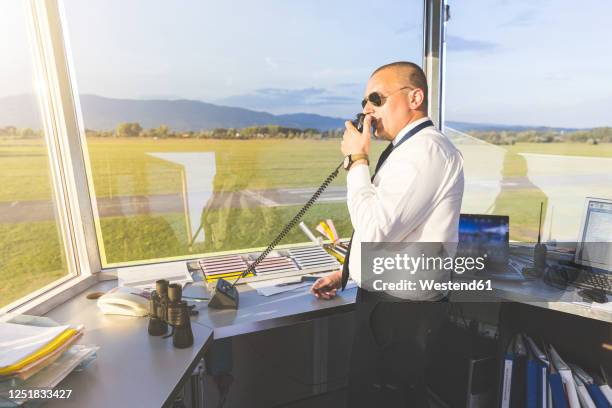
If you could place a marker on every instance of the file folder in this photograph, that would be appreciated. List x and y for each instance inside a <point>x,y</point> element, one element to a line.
<point>507,376</point>
<point>557,392</point>
<point>532,383</point>
<point>507,380</point>
<point>583,394</point>
<point>594,390</point>
<point>607,392</point>
<point>598,396</point>
<point>40,353</point>
<point>542,373</point>
<point>566,376</point>
<point>602,382</point>
<point>518,395</point>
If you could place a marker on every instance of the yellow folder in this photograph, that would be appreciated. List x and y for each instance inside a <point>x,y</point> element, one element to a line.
<point>43,351</point>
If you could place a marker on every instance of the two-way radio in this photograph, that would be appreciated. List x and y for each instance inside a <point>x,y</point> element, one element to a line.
<point>539,254</point>
<point>540,251</point>
<point>226,294</point>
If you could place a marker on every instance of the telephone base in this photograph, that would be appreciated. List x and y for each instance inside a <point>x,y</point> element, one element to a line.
<point>225,296</point>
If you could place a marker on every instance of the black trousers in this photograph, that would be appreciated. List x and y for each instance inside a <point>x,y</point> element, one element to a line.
<point>391,351</point>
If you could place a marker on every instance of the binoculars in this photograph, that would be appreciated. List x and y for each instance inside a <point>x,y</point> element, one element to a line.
<point>166,308</point>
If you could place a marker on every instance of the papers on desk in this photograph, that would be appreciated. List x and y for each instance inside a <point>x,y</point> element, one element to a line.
<point>17,341</point>
<point>270,287</point>
<point>52,375</point>
<point>25,350</point>
<point>49,377</point>
<point>144,276</point>
<point>38,357</point>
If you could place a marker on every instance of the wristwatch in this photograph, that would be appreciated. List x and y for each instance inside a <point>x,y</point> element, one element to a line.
<point>352,158</point>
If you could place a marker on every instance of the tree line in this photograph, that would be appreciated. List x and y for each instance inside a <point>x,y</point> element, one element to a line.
<point>135,130</point>
<point>591,136</point>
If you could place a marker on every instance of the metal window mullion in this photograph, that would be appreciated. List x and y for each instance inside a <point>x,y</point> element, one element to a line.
<point>68,164</point>
<point>433,57</point>
<point>45,103</point>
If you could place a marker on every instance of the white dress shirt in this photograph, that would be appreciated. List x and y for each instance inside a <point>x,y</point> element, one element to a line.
<point>415,196</point>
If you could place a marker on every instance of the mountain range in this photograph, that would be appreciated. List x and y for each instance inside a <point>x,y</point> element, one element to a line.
<point>103,113</point>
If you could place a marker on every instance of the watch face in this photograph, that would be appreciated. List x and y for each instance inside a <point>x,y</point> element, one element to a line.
<point>347,162</point>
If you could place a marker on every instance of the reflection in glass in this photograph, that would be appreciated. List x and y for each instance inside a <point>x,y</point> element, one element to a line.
<point>531,118</point>
<point>32,251</point>
<point>200,141</point>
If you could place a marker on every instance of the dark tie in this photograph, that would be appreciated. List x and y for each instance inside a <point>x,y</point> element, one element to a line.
<point>345,267</point>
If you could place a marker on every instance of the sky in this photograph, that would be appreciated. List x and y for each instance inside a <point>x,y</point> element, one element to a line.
<point>538,62</point>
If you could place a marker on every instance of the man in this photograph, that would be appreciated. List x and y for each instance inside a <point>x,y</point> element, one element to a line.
<point>414,196</point>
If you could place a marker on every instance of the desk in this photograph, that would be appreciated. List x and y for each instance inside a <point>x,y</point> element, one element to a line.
<point>132,369</point>
<point>135,369</point>
<point>542,295</point>
<point>539,294</point>
<point>258,313</point>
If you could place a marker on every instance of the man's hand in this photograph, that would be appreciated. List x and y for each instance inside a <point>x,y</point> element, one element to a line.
<point>354,142</point>
<point>327,286</point>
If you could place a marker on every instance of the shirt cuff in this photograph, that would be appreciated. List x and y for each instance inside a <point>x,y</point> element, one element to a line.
<point>357,178</point>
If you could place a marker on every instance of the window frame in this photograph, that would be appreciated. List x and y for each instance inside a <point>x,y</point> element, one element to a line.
<point>69,155</point>
<point>65,155</point>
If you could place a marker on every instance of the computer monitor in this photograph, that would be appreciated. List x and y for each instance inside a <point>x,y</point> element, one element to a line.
<point>594,246</point>
<point>481,234</point>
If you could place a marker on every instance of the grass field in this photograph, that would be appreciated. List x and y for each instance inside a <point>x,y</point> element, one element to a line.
<point>124,168</point>
<point>30,253</point>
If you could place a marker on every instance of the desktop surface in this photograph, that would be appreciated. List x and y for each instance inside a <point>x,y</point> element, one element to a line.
<point>135,369</point>
<point>131,368</point>
<point>257,312</point>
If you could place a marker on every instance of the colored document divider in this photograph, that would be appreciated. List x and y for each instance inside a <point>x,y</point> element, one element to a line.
<point>33,368</point>
<point>40,353</point>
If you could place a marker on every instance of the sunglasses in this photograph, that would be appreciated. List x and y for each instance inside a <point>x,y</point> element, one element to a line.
<point>378,100</point>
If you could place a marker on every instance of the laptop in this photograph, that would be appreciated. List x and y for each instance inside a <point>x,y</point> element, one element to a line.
<point>488,235</point>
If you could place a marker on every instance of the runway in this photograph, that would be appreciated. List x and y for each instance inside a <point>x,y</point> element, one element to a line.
<point>43,210</point>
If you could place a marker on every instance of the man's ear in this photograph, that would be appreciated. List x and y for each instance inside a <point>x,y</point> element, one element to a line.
<point>416,99</point>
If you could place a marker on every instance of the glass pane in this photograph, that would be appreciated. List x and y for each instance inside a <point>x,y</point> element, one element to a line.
<point>210,124</point>
<point>528,103</point>
<point>32,252</point>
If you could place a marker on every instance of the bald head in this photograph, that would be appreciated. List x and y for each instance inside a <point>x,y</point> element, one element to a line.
<point>406,73</point>
<point>400,91</point>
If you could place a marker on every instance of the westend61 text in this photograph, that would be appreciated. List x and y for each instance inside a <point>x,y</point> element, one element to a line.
<point>430,284</point>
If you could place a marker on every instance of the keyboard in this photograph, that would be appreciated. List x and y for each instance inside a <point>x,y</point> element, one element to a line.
<point>593,280</point>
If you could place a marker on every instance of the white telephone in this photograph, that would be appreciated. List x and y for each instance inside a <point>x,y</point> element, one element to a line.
<point>124,301</point>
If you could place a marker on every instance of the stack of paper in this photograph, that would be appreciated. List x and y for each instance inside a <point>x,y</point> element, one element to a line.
<point>25,350</point>
<point>271,287</point>
<point>49,377</point>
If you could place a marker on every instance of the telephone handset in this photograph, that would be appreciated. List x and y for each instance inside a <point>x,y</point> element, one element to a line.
<point>124,300</point>
<point>226,294</point>
<point>358,123</point>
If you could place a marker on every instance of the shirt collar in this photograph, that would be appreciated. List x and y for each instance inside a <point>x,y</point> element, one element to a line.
<point>406,129</point>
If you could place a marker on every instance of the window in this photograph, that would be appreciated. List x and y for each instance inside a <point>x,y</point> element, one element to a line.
<point>527,102</point>
<point>208,125</point>
<point>32,237</point>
